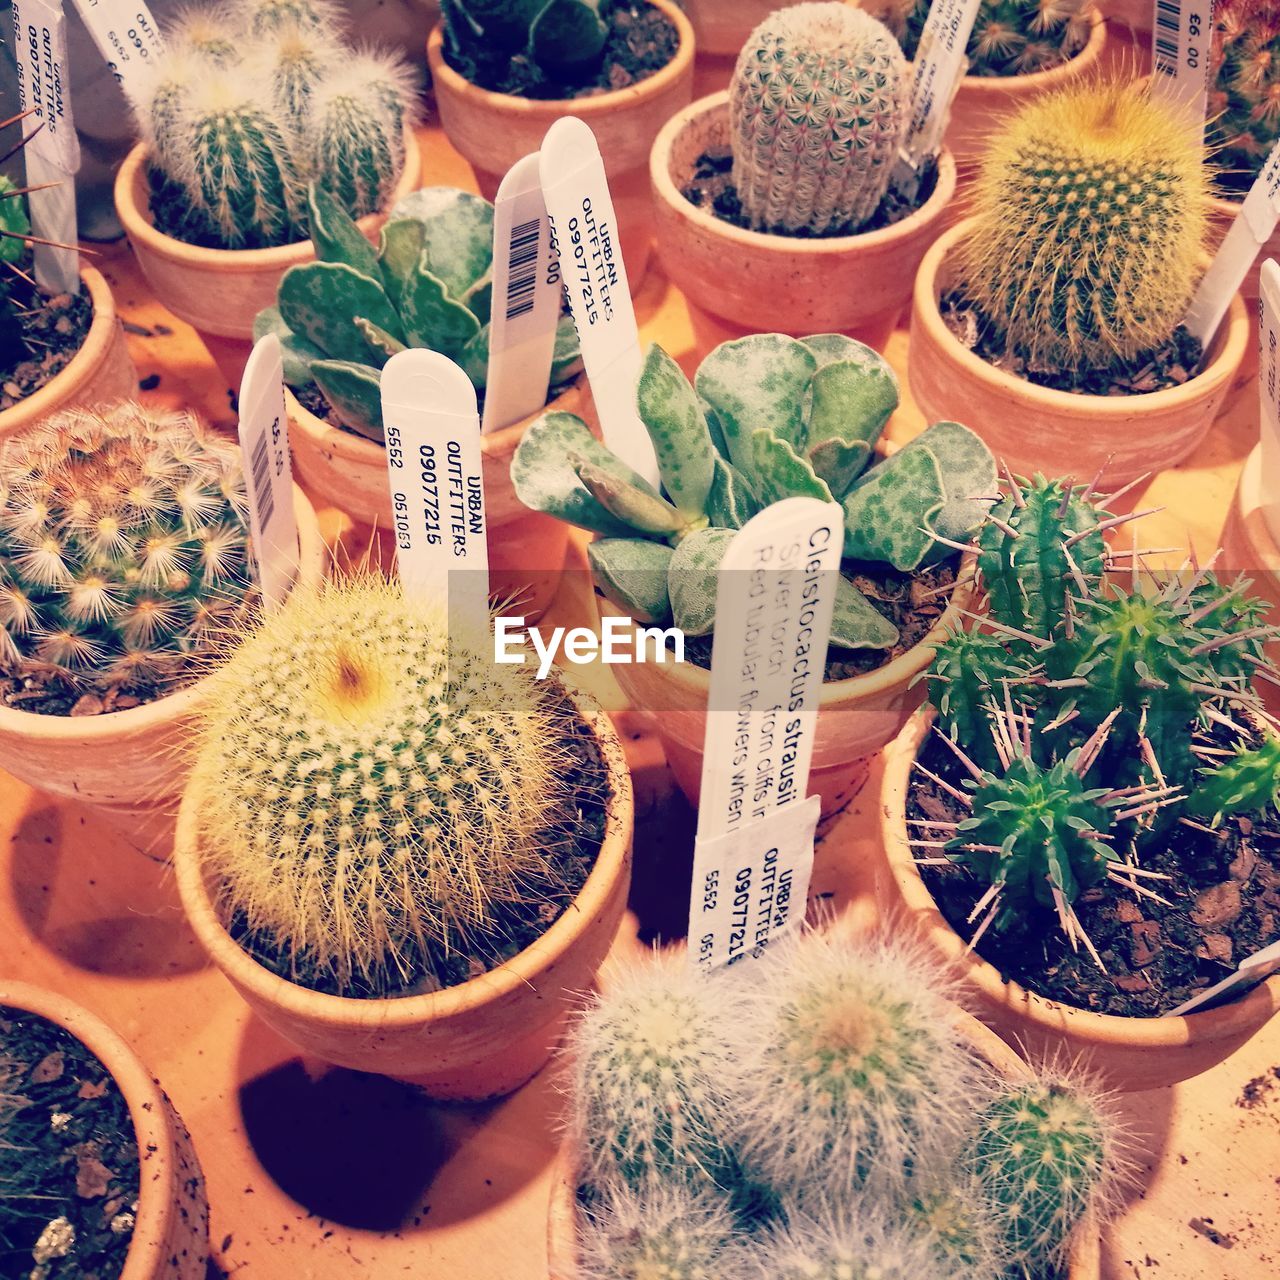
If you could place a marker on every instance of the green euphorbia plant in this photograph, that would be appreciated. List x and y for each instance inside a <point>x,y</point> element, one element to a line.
<point>767,417</point>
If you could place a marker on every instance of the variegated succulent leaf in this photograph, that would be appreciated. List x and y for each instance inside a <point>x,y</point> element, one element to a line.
<point>693,577</point>
<point>384,343</point>
<point>780,472</point>
<point>296,352</point>
<point>319,300</point>
<point>889,513</point>
<point>400,248</point>
<point>856,623</point>
<point>642,511</point>
<point>431,316</point>
<point>632,572</point>
<point>731,501</point>
<point>668,406</point>
<point>336,236</point>
<point>354,393</point>
<point>969,476</point>
<point>457,229</point>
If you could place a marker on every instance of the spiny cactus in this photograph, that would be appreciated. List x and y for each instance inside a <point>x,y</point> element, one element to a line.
<point>212,33</point>
<point>1243,116</point>
<point>371,791</point>
<point>767,417</point>
<point>1091,212</point>
<point>951,1216</point>
<point>294,61</point>
<point>818,105</point>
<point>556,38</point>
<point>123,548</point>
<point>263,17</point>
<point>429,284</point>
<point>1246,782</point>
<point>15,232</point>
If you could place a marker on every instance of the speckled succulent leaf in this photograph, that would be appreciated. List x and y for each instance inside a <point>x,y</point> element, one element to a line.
<point>354,393</point>
<point>889,512</point>
<point>1248,782</point>
<point>758,381</point>
<point>14,221</point>
<point>295,350</point>
<point>779,472</point>
<point>693,578</point>
<point>401,243</point>
<point>968,470</point>
<point>457,233</point>
<point>851,404</point>
<point>566,358</point>
<point>730,501</point>
<point>668,406</point>
<point>632,572</point>
<point>384,343</point>
<point>319,299</point>
<point>545,477</point>
<point>479,298</point>
<point>856,623</point>
<point>336,236</point>
<point>430,315</point>
<point>567,33</point>
<point>474,358</point>
<point>636,508</point>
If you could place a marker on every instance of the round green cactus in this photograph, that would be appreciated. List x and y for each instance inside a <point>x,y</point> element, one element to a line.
<point>124,554</point>
<point>1243,125</point>
<point>295,61</point>
<point>818,105</point>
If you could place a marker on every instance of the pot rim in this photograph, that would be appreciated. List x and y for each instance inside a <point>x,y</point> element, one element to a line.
<point>135,216</point>
<point>153,1129</point>
<point>1253,1008</point>
<point>764,242</point>
<point>588,108</point>
<point>1229,343</point>
<point>99,732</point>
<point>1037,82</point>
<point>398,1012</point>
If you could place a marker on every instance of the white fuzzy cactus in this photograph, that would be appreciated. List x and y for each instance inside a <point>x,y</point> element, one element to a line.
<point>261,17</point>
<point>293,61</point>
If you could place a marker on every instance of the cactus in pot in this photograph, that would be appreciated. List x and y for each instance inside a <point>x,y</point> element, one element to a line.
<point>341,318</point>
<point>818,105</point>
<point>1244,68</point>
<point>825,400</point>
<point>15,232</point>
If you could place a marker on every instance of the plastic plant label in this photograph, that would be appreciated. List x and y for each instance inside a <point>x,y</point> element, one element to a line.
<point>1181,40</point>
<point>1257,968</point>
<point>1250,230</point>
<point>1269,393</point>
<point>432,430</point>
<point>585,239</point>
<point>53,153</point>
<point>526,300</point>
<point>754,850</point>
<point>126,35</point>
<point>264,446</point>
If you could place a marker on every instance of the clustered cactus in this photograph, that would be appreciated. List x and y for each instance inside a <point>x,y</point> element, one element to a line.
<point>818,106</point>
<point>1009,37</point>
<point>1243,120</point>
<point>854,1134</point>
<point>1091,212</point>
<point>768,417</point>
<point>124,552</point>
<point>254,99</point>
<point>429,284</point>
<point>15,231</point>
<point>373,792</point>
<point>1081,709</point>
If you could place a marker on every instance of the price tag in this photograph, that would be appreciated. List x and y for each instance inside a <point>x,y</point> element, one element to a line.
<point>1251,229</point>
<point>126,35</point>
<point>753,856</point>
<point>526,300</point>
<point>53,154</point>
<point>1269,393</point>
<point>432,432</point>
<point>1181,42</point>
<point>264,446</point>
<point>585,239</point>
<point>1257,968</point>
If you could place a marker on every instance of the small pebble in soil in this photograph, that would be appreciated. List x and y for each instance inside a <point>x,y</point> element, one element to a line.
<point>38,338</point>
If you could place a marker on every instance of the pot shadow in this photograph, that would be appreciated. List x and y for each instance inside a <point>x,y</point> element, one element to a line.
<point>84,893</point>
<point>662,861</point>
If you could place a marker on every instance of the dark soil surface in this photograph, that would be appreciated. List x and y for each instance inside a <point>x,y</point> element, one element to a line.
<point>68,1157</point>
<point>1173,363</point>
<point>38,337</point>
<point>174,216</point>
<point>906,599</point>
<point>711,187</point>
<point>641,42</point>
<point>1225,891</point>
<point>573,833</point>
<point>47,692</point>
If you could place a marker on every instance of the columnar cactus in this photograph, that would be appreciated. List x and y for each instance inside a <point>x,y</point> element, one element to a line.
<point>818,105</point>
<point>294,62</point>
<point>263,17</point>
<point>124,555</point>
<point>767,417</point>
<point>554,37</point>
<point>1244,123</point>
<point>1246,782</point>
<point>371,791</point>
<point>1091,213</point>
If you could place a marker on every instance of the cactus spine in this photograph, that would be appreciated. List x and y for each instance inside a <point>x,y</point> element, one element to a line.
<point>1244,102</point>
<point>263,17</point>
<point>818,106</point>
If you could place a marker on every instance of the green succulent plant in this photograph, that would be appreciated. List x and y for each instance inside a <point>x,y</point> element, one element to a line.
<point>767,417</point>
<point>15,232</point>
<point>1244,69</point>
<point>554,37</point>
<point>428,284</point>
<point>1246,782</point>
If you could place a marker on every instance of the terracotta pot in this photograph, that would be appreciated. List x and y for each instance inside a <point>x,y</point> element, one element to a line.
<point>494,130</point>
<point>842,284</point>
<point>220,291</point>
<point>171,1231</point>
<point>856,717</point>
<point>526,549</point>
<point>127,765</point>
<point>479,1040</point>
<point>1130,1054</point>
<point>562,1212</point>
<point>1057,432</point>
<point>101,372</point>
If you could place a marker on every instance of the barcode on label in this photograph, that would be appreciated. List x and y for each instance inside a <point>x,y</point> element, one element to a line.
<point>522,268</point>
<point>1167,33</point>
<point>260,466</point>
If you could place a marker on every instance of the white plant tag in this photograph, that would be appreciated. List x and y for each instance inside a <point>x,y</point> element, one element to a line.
<point>1257,968</point>
<point>526,300</point>
<point>53,154</point>
<point>1269,392</point>
<point>1181,41</point>
<point>432,430</point>
<point>1250,230</point>
<point>268,473</point>
<point>126,35</point>
<point>585,236</point>
<point>754,851</point>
